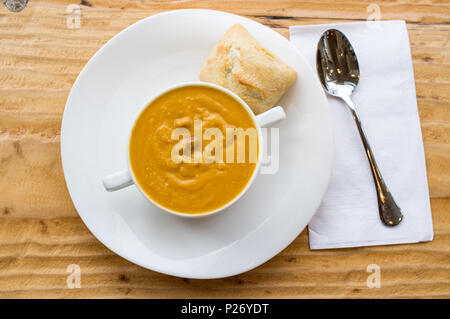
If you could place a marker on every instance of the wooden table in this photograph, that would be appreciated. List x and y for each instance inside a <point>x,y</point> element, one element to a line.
<point>41,232</point>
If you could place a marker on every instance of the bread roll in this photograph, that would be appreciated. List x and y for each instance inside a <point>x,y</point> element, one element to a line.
<point>241,64</point>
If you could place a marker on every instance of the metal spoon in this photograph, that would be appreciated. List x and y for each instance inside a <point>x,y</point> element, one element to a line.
<point>338,71</point>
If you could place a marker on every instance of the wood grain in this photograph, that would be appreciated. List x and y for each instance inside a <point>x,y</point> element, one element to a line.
<point>41,233</point>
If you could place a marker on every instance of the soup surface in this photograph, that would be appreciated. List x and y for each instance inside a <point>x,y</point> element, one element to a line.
<point>174,160</point>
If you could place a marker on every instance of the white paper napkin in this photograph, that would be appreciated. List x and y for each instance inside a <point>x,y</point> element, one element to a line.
<point>386,101</point>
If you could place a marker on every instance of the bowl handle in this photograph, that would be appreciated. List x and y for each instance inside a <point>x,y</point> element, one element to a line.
<point>270,117</point>
<point>117,180</point>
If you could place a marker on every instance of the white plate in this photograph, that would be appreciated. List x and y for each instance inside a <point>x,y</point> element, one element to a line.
<point>138,62</point>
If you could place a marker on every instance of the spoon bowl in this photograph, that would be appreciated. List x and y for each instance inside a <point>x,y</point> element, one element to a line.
<point>337,64</point>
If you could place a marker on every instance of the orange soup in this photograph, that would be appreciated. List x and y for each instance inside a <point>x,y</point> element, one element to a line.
<point>181,153</point>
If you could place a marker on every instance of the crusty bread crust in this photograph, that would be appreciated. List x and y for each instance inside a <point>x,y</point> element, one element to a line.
<point>241,64</point>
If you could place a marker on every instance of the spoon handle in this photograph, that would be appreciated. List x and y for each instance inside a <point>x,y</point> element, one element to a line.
<point>390,212</point>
